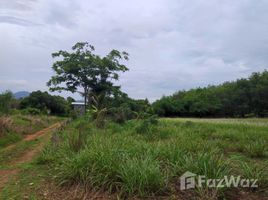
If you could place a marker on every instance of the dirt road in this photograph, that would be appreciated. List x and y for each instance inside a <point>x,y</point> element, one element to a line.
<point>27,156</point>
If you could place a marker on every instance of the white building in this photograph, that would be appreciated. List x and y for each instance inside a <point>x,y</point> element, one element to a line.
<point>79,107</point>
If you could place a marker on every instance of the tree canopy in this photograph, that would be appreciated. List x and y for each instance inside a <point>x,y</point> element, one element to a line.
<point>81,68</point>
<point>45,102</point>
<point>240,98</point>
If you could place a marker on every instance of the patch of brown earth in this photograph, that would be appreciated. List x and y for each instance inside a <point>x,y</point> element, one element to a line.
<point>40,133</point>
<point>237,194</point>
<point>5,175</point>
<point>35,135</point>
<point>51,191</point>
<point>27,156</point>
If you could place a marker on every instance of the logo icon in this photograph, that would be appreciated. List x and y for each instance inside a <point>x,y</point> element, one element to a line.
<point>187,180</point>
<point>190,180</point>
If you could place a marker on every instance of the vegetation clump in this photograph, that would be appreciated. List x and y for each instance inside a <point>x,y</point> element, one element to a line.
<point>241,98</point>
<point>135,161</point>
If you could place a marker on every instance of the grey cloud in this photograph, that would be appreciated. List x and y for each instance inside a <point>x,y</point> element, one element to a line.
<point>20,5</point>
<point>63,14</point>
<point>16,21</point>
<point>14,84</point>
<point>172,44</point>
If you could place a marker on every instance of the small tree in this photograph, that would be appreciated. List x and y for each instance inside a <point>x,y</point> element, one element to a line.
<point>83,69</point>
<point>6,100</point>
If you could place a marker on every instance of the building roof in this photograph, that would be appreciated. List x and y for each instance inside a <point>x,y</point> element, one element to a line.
<point>78,103</point>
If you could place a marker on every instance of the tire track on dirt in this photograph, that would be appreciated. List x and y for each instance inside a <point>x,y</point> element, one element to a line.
<point>27,156</point>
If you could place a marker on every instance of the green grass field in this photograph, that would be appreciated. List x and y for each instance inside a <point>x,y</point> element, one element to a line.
<point>249,121</point>
<point>143,159</point>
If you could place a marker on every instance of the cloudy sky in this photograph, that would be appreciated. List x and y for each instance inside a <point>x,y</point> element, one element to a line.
<point>173,44</point>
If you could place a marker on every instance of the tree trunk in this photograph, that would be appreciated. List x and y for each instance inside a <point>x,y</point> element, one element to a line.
<point>85,98</point>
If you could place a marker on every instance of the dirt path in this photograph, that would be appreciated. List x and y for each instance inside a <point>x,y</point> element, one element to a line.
<point>27,156</point>
<point>35,135</point>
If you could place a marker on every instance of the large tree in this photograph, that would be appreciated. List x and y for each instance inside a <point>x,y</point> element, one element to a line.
<point>81,68</point>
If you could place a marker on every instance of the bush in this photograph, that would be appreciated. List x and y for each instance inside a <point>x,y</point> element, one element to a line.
<point>31,111</point>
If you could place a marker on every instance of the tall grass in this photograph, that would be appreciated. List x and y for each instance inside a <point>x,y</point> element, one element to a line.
<point>253,171</point>
<point>14,127</point>
<point>144,158</point>
<point>140,176</point>
<point>256,149</point>
<point>7,133</point>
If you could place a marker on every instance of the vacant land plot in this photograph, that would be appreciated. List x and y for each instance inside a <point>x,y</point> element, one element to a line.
<point>15,127</point>
<point>14,158</point>
<point>145,159</point>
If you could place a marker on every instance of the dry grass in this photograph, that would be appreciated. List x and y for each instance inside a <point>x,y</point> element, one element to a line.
<point>5,125</point>
<point>15,127</point>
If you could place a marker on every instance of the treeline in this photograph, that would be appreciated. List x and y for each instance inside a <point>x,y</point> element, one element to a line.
<point>37,102</point>
<point>241,98</point>
<point>119,107</point>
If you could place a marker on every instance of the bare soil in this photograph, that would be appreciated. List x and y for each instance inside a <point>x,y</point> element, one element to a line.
<point>27,156</point>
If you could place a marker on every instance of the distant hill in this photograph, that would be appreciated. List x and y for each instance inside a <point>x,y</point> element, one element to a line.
<point>21,94</point>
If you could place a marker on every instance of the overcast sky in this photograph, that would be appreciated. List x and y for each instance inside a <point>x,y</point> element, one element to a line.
<point>173,44</point>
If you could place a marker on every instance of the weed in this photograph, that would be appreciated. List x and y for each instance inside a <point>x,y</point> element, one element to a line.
<point>141,176</point>
<point>256,149</point>
<point>189,124</point>
<point>46,156</point>
<point>5,125</point>
<point>251,171</point>
<point>77,140</point>
<point>146,126</point>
